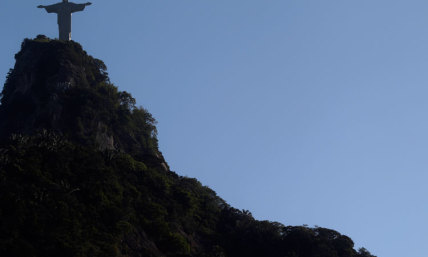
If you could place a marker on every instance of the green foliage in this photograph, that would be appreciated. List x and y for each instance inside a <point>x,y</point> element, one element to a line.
<point>88,201</point>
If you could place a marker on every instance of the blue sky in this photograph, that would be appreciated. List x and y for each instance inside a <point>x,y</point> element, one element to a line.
<point>301,111</point>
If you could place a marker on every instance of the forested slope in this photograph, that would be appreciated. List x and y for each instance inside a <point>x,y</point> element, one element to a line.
<point>81,175</point>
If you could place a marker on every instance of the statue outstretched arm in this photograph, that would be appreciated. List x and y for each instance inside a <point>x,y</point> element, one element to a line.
<point>79,7</point>
<point>49,8</point>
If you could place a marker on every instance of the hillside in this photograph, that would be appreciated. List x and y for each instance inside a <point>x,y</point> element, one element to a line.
<point>81,175</point>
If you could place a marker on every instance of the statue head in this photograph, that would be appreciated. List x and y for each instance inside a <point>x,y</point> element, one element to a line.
<point>65,1</point>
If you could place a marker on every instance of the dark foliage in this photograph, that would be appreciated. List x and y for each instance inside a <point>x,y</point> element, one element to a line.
<point>81,176</point>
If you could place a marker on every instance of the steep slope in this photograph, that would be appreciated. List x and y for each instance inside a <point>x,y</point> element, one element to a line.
<point>81,175</point>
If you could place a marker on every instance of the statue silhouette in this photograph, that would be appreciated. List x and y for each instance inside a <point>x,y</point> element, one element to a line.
<point>64,11</point>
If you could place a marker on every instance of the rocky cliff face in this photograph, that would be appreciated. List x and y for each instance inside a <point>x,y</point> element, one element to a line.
<point>34,94</point>
<point>81,176</point>
<point>57,86</point>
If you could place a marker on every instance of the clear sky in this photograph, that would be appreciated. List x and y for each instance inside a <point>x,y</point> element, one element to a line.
<point>301,111</point>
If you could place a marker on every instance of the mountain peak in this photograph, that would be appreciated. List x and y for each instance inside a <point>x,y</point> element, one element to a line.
<point>55,85</point>
<point>81,176</point>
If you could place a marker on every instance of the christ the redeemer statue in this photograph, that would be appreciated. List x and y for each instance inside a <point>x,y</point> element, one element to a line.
<point>64,11</point>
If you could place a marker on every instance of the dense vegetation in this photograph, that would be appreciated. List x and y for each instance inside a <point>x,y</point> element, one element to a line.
<point>81,176</point>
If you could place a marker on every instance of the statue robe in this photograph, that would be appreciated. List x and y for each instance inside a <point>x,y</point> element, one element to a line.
<point>64,11</point>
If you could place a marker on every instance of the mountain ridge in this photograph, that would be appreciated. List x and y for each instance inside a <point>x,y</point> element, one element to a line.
<point>81,175</point>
